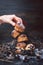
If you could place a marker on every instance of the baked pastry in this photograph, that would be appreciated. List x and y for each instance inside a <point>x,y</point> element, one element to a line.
<point>15,34</point>
<point>18,51</point>
<point>21,45</point>
<point>22,38</point>
<point>19,28</point>
<point>30,47</point>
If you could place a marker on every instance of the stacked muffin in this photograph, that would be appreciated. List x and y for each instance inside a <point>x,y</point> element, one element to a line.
<point>22,39</point>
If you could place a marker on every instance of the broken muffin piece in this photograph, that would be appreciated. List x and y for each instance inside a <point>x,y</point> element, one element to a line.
<point>30,47</point>
<point>15,34</point>
<point>18,51</point>
<point>22,38</point>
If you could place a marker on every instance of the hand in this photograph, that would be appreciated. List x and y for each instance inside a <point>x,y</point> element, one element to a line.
<point>11,19</point>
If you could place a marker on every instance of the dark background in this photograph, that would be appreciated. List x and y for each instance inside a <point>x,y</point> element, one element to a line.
<point>30,11</point>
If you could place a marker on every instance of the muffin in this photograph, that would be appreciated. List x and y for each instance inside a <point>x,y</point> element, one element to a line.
<point>15,34</point>
<point>19,28</point>
<point>21,45</point>
<point>22,38</point>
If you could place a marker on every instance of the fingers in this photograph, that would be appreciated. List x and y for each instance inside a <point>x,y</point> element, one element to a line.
<point>12,19</point>
<point>19,21</point>
<point>12,23</point>
<point>21,24</point>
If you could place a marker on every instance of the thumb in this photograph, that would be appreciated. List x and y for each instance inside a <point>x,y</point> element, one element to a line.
<point>12,23</point>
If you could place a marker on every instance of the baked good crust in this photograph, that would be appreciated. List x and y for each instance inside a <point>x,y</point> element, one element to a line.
<point>19,28</point>
<point>15,34</point>
<point>21,45</point>
<point>22,38</point>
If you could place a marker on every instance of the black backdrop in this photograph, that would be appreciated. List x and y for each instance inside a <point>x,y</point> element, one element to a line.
<point>14,6</point>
